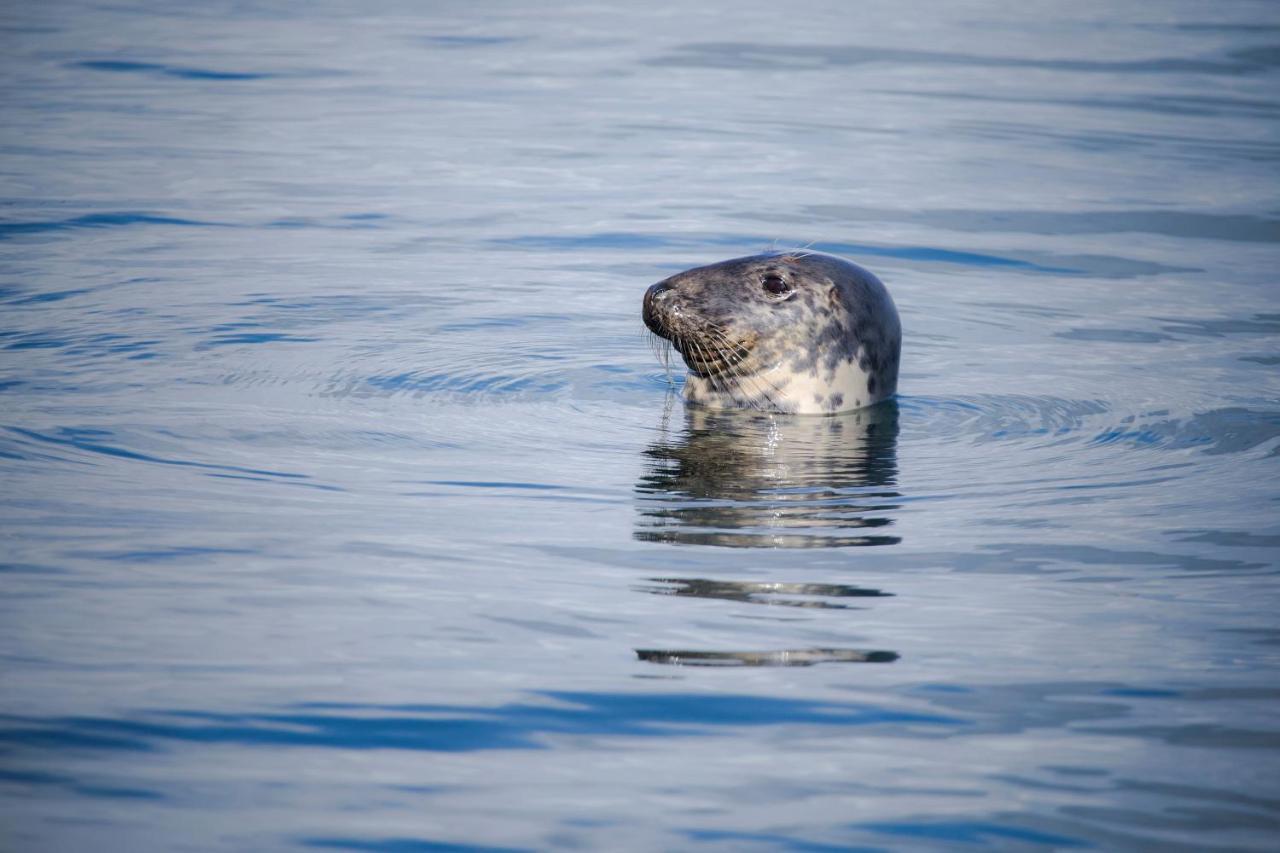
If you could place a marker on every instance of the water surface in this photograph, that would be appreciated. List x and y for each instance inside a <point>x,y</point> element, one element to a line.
<point>346,507</point>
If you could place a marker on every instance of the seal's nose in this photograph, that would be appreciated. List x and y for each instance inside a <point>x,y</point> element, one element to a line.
<point>653,298</point>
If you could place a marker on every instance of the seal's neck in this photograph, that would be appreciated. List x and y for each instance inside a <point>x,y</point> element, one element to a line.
<point>780,389</point>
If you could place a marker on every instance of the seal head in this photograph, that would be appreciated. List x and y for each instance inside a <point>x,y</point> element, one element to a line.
<point>795,332</point>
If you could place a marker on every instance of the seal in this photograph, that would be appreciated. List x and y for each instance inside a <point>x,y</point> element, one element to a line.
<point>793,332</point>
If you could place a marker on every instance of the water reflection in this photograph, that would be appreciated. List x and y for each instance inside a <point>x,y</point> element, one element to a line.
<point>775,594</point>
<point>783,657</point>
<point>747,480</point>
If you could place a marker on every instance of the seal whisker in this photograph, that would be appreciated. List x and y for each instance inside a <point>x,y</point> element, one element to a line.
<point>661,349</point>
<point>754,380</point>
<point>720,340</point>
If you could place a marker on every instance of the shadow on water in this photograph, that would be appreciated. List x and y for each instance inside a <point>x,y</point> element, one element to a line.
<point>745,480</point>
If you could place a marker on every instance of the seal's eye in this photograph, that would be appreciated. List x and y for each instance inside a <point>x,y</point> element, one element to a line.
<point>775,284</point>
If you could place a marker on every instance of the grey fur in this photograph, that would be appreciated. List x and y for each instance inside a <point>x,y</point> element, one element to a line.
<point>829,343</point>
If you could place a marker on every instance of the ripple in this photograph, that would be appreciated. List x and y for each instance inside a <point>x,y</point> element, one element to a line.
<point>1219,431</point>
<point>1169,223</point>
<point>450,728</point>
<point>999,417</point>
<point>94,443</point>
<point>100,220</point>
<point>123,66</point>
<point>767,57</point>
<point>1174,105</point>
<point>1207,150</point>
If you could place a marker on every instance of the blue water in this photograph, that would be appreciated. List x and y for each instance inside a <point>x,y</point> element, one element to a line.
<point>347,507</point>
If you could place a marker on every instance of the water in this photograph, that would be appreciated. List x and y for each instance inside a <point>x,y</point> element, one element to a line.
<point>346,507</point>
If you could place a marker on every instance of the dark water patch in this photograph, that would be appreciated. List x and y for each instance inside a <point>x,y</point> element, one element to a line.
<point>30,569</point>
<point>1259,636</point>
<point>30,779</point>
<point>1233,538</point>
<point>766,57</point>
<point>1268,360</point>
<point>70,735</point>
<point>100,220</point>
<point>254,338</point>
<point>121,66</point>
<point>35,341</point>
<point>945,256</point>
<point>1169,223</point>
<point>108,344</point>
<point>1201,735</point>
<point>1263,55</point>
<point>345,222</point>
<point>1114,336</point>
<point>89,441</point>
<point>781,657</point>
<point>153,556</point>
<point>1258,324</point>
<point>1216,26</point>
<point>297,484</point>
<point>981,833</point>
<point>1199,793</point>
<point>465,41</point>
<point>771,841</point>
<point>1199,818</point>
<point>404,845</point>
<point>767,593</point>
<point>11,384</point>
<point>755,244</point>
<point>1140,693</point>
<point>1233,693</point>
<point>1210,151</point>
<point>455,728</point>
<point>1170,105</point>
<point>53,296</point>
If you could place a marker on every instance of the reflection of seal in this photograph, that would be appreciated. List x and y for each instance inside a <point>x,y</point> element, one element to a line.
<point>784,332</point>
<point>745,480</point>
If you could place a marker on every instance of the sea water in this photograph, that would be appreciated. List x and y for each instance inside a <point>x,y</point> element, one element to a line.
<point>347,507</point>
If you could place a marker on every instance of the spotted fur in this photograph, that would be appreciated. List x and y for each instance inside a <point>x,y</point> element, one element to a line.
<point>804,333</point>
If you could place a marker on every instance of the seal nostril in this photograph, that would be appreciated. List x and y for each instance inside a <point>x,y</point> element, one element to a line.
<point>654,296</point>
